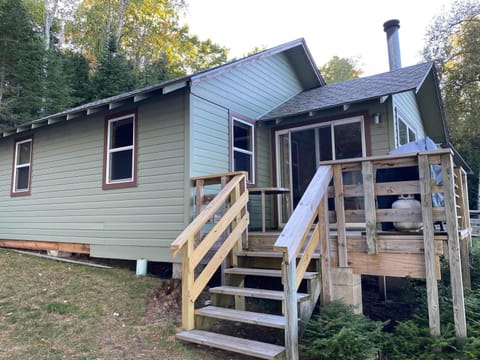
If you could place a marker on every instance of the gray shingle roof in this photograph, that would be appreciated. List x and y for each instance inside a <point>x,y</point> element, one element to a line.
<point>352,91</point>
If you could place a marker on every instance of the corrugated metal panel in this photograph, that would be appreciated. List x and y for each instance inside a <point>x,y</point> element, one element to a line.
<point>67,201</point>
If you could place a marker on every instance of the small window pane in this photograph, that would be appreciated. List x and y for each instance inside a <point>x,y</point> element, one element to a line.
<point>23,178</point>
<point>411,135</point>
<point>121,165</point>
<point>348,140</point>
<point>325,135</point>
<point>402,133</point>
<point>23,155</point>
<point>242,162</point>
<point>122,133</point>
<point>242,136</point>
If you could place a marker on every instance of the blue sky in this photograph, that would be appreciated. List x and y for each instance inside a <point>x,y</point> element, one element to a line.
<point>345,28</point>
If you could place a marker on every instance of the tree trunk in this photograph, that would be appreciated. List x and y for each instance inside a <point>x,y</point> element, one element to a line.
<point>121,20</point>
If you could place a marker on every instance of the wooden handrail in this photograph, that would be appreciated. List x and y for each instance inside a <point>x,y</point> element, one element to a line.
<point>297,237</point>
<point>196,225</point>
<point>228,231</point>
<point>290,239</point>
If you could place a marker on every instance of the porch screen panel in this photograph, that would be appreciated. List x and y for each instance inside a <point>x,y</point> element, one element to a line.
<point>304,162</point>
<point>348,140</point>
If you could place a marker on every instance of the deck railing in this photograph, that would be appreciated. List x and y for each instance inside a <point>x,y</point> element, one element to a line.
<point>298,240</point>
<point>229,209</point>
<point>360,194</point>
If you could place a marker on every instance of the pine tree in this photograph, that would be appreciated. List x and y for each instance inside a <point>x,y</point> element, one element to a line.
<point>115,74</point>
<point>20,65</point>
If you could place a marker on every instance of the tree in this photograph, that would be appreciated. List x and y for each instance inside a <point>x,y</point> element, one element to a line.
<point>21,59</point>
<point>115,74</point>
<point>340,69</point>
<point>453,42</point>
<point>147,32</point>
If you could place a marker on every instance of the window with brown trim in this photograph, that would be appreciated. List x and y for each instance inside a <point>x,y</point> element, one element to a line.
<point>120,151</point>
<point>22,167</point>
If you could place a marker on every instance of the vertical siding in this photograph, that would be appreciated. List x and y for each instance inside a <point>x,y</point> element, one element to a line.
<point>68,204</point>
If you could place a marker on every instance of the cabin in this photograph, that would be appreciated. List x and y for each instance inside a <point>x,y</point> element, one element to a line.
<point>253,169</point>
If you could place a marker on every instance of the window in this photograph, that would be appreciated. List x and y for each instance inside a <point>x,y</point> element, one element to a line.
<point>120,152</point>
<point>22,168</point>
<point>403,132</point>
<point>243,148</point>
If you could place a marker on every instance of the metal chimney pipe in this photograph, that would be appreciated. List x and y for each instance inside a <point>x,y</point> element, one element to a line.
<point>391,28</point>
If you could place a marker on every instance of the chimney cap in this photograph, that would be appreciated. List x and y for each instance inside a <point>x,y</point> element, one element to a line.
<point>391,23</point>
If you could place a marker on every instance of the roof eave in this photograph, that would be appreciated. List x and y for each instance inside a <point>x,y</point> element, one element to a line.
<point>106,104</point>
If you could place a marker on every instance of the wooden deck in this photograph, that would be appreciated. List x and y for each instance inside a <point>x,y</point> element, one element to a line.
<point>338,232</point>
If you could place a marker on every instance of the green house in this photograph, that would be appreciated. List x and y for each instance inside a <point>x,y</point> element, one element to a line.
<point>112,177</point>
<point>124,177</point>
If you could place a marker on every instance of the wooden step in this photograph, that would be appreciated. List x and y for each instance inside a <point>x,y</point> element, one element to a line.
<point>265,272</point>
<point>255,293</point>
<point>242,346</point>
<point>247,317</point>
<point>270,254</point>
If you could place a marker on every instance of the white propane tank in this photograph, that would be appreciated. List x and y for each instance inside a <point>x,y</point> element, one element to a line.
<point>407,201</point>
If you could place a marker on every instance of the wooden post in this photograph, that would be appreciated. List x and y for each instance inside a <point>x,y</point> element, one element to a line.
<point>454,259</point>
<point>188,278</point>
<point>340,211</point>
<point>239,300</point>
<point>291,311</point>
<point>370,206</point>
<point>199,194</point>
<point>429,245</point>
<point>325,250</point>
<point>464,214</point>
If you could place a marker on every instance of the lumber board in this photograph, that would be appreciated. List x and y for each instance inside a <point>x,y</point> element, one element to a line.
<point>396,265</point>
<point>358,215</point>
<point>396,244</point>
<point>266,272</point>
<point>429,246</point>
<point>202,280</point>
<point>368,173</point>
<point>242,346</point>
<point>325,250</point>
<point>214,234</point>
<point>340,214</point>
<point>247,317</point>
<point>270,254</point>
<point>78,248</point>
<point>255,293</point>
<point>454,260</point>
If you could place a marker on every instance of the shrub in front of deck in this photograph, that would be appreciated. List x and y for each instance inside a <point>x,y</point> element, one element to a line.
<point>338,333</point>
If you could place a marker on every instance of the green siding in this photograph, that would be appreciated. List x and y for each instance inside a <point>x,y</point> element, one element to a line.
<point>253,88</point>
<point>249,89</point>
<point>406,103</point>
<point>209,138</point>
<point>68,204</point>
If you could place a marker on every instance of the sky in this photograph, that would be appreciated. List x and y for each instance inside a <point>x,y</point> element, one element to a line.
<point>345,28</point>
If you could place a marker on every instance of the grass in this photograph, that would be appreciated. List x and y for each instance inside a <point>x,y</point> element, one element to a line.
<point>55,310</point>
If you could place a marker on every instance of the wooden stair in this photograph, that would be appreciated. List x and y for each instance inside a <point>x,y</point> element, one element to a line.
<point>232,303</point>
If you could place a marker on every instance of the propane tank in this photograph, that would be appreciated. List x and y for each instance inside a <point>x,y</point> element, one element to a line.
<point>407,201</point>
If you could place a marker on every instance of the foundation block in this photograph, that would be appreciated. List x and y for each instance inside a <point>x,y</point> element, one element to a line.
<point>347,287</point>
